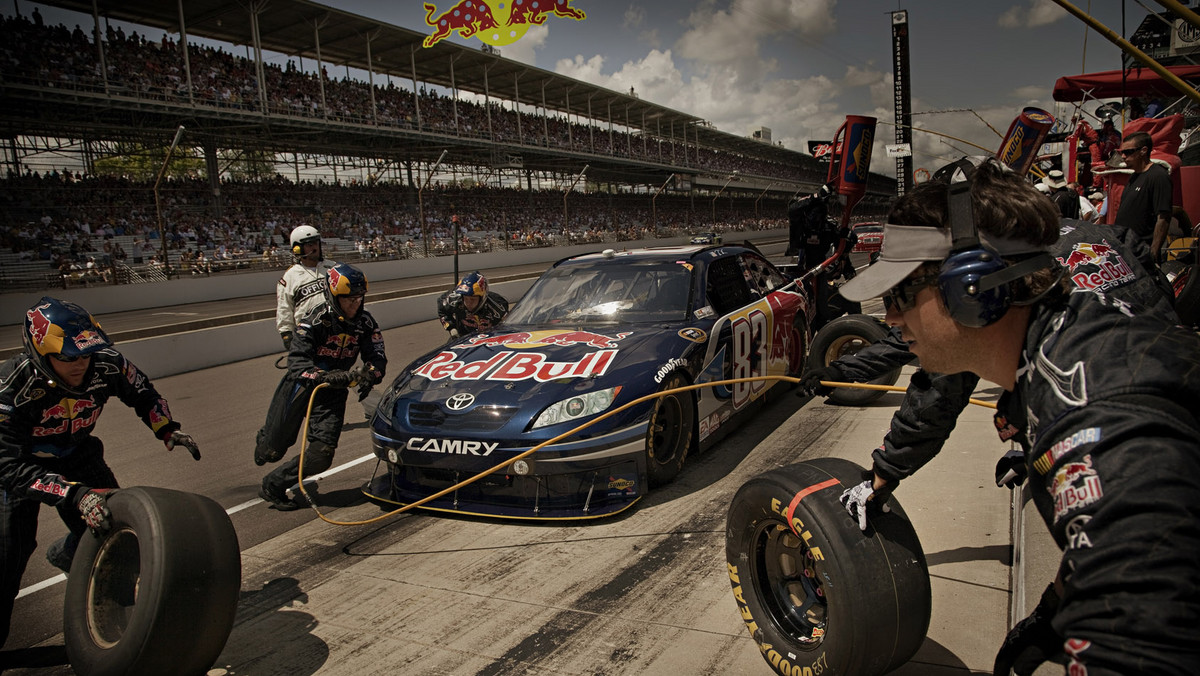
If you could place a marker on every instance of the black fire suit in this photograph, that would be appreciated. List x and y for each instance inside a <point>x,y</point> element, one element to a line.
<point>324,341</point>
<point>1105,406</point>
<point>46,446</point>
<point>455,316</point>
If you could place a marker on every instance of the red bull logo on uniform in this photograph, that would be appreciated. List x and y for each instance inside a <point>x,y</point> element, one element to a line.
<point>496,22</point>
<point>1075,485</point>
<point>513,366</point>
<point>68,416</point>
<point>534,339</point>
<point>1096,266</point>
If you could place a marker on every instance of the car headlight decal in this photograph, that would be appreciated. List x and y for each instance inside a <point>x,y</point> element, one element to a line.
<point>576,407</point>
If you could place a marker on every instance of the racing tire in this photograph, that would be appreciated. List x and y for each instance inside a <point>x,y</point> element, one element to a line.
<point>845,336</point>
<point>818,595</point>
<point>669,435</point>
<point>797,349</point>
<point>156,594</point>
<point>1186,285</point>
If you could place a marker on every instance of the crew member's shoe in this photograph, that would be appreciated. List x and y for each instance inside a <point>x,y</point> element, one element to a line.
<point>59,556</point>
<point>279,502</point>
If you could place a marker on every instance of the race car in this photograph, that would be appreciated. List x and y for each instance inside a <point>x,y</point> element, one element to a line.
<point>706,238</point>
<point>868,237</point>
<point>593,333</point>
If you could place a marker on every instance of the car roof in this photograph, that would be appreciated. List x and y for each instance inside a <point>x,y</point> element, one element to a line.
<point>663,253</point>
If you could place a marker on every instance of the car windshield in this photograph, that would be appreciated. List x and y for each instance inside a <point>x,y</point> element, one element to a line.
<point>615,291</point>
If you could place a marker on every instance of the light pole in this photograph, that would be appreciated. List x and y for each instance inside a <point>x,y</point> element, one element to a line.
<point>714,200</point>
<point>654,207</point>
<point>162,232</point>
<point>421,201</point>
<point>567,192</point>
<point>760,196</point>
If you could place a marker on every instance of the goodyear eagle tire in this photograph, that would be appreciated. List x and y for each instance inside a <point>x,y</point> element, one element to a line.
<point>670,433</point>
<point>157,594</point>
<point>818,595</point>
<point>842,337</point>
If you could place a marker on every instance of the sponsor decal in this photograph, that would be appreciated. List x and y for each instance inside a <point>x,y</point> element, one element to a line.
<point>159,415</point>
<point>705,312</point>
<point>451,446</point>
<point>1075,648</point>
<point>134,377</point>
<point>1089,435</point>
<point>1077,537</point>
<point>67,416</point>
<point>709,425</point>
<point>51,488</point>
<point>39,324</point>
<point>665,369</point>
<point>460,401</point>
<point>1096,266</point>
<point>514,366</point>
<point>693,334</point>
<point>1075,485</point>
<point>339,346</point>
<point>622,484</point>
<point>783,664</point>
<point>535,339</point>
<point>1004,428</point>
<point>495,22</point>
<point>86,339</point>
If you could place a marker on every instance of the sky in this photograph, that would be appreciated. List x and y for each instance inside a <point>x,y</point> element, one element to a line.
<point>799,67</point>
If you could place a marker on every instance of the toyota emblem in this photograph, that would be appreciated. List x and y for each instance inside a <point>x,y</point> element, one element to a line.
<point>460,401</point>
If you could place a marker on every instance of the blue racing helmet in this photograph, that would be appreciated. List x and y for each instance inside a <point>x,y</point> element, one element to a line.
<point>474,284</point>
<point>344,280</point>
<point>58,328</point>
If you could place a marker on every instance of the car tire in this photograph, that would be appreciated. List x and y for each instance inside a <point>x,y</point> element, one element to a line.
<point>845,336</point>
<point>797,349</point>
<point>669,436</point>
<point>818,595</point>
<point>156,594</point>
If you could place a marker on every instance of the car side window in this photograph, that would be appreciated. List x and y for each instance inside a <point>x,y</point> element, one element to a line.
<point>726,286</point>
<point>762,277</point>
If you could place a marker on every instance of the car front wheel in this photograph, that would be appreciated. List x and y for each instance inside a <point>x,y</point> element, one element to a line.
<point>670,434</point>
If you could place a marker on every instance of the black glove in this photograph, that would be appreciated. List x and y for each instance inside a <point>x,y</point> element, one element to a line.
<point>1011,469</point>
<point>366,378</point>
<point>178,438</point>
<point>92,506</point>
<point>337,378</point>
<point>810,384</point>
<point>287,340</point>
<point>1032,641</point>
<point>855,499</point>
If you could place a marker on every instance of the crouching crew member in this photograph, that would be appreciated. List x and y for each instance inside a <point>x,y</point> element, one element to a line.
<point>470,307</point>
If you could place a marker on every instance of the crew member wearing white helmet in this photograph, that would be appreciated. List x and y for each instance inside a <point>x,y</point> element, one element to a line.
<point>302,286</point>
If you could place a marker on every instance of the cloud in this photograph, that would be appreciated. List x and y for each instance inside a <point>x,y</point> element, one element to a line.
<point>634,16</point>
<point>732,36</point>
<point>525,49</point>
<point>1036,13</point>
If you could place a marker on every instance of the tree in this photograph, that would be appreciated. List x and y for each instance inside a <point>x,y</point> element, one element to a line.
<point>142,163</point>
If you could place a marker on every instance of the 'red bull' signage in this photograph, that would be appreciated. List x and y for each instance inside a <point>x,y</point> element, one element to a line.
<point>529,339</point>
<point>67,416</point>
<point>496,22</point>
<point>1096,266</point>
<point>851,165</point>
<point>507,366</point>
<point>1025,135</point>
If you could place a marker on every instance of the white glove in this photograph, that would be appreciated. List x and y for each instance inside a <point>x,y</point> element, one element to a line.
<point>855,501</point>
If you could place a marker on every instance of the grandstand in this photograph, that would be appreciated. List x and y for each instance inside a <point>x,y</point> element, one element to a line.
<point>512,139</point>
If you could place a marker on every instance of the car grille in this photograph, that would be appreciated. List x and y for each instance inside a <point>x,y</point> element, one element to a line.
<point>478,419</point>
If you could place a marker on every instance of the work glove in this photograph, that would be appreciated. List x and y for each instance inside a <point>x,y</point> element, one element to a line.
<point>1032,641</point>
<point>810,384</point>
<point>337,378</point>
<point>93,507</point>
<point>178,438</point>
<point>453,334</point>
<point>855,499</point>
<point>1011,469</point>
<point>366,376</point>
<point>287,340</point>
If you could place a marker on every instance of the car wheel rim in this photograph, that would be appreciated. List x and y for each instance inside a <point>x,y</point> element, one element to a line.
<point>668,429</point>
<point>113,587</point>
<point>788,585</point>
<point>844,347</point>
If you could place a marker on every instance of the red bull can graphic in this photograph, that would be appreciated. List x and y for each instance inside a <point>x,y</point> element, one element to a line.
<point>1025,135</point>
<point>851,165</point>
<point>1096,266</point>
<point>495,22</point>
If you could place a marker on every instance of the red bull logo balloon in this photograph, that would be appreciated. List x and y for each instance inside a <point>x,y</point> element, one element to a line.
<point>496,22</point>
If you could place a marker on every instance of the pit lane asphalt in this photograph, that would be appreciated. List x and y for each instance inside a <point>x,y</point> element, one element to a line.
<point>642,593</point>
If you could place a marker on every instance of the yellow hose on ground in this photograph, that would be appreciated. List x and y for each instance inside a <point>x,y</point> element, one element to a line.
<point>564,435</point>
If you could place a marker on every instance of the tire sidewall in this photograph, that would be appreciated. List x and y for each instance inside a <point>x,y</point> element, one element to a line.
<point>824,351</point>
<point>660,473</point>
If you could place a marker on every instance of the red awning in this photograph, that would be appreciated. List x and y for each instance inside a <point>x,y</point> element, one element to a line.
<point>1107,84</point>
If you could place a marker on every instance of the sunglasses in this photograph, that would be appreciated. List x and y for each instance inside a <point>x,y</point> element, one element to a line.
<point>1126,152</point>
<point>903,296</point>
<point>67,360</point>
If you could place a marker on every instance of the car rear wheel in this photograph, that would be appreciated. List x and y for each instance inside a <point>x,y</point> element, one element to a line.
<point>670,434</point>
<point>157,594</point>
<point>843,337</point>
<point>797,348</point>
<point>818,595</point>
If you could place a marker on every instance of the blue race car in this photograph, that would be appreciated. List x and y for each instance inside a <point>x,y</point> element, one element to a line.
<point>594,332</point>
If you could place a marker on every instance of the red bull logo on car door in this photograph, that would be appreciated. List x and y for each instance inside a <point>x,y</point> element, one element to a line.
<point>496,22</point>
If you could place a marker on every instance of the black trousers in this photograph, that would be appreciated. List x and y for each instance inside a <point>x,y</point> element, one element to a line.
<point>285,416</point>
<point>19,520</point>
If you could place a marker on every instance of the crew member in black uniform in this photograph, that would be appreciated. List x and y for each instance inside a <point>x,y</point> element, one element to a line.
<point>326,344</point>
<point>470,307</point>
<point>1103,392</point>
<point>51,396</point>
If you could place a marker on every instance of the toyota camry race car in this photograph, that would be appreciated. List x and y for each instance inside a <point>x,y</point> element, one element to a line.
<point>593,333</point>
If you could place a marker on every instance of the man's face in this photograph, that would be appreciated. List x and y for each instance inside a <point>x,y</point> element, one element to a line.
<point>310,250</point>
<point>472,303</point>
<point>942,344</point>
<point>349,305</point>
<point>71,372</point>
<point>1136,157</point>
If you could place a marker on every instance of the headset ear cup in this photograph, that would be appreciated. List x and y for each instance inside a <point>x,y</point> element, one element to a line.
<point>296,249</point>
<point>958,282</point>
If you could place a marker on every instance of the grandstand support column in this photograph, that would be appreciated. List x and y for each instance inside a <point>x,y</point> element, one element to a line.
<point>421,201</point>
<point>454,97</point>
<point>214,175</point>
<point>644,143</point>
<point>320,68</point>
<point>371,75</point>
<point>517,104</point>
<point>591,127</point>
<point>99,44</point>
<point>570,138</point>
<point>162,229</point>
<point>545,116</point>
<point>611,149</point>
<point>183,47</point>
<point>487,101</point>
<point>416,98</point>
<point>566,220</point>
<point>654,207</point>
<point>714,200</point>
<point>260,74</point>
<point>628,133</point>
<point>760,196</point>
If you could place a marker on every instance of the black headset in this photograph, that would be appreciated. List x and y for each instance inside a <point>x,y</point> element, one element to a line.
<point>974,280</point>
